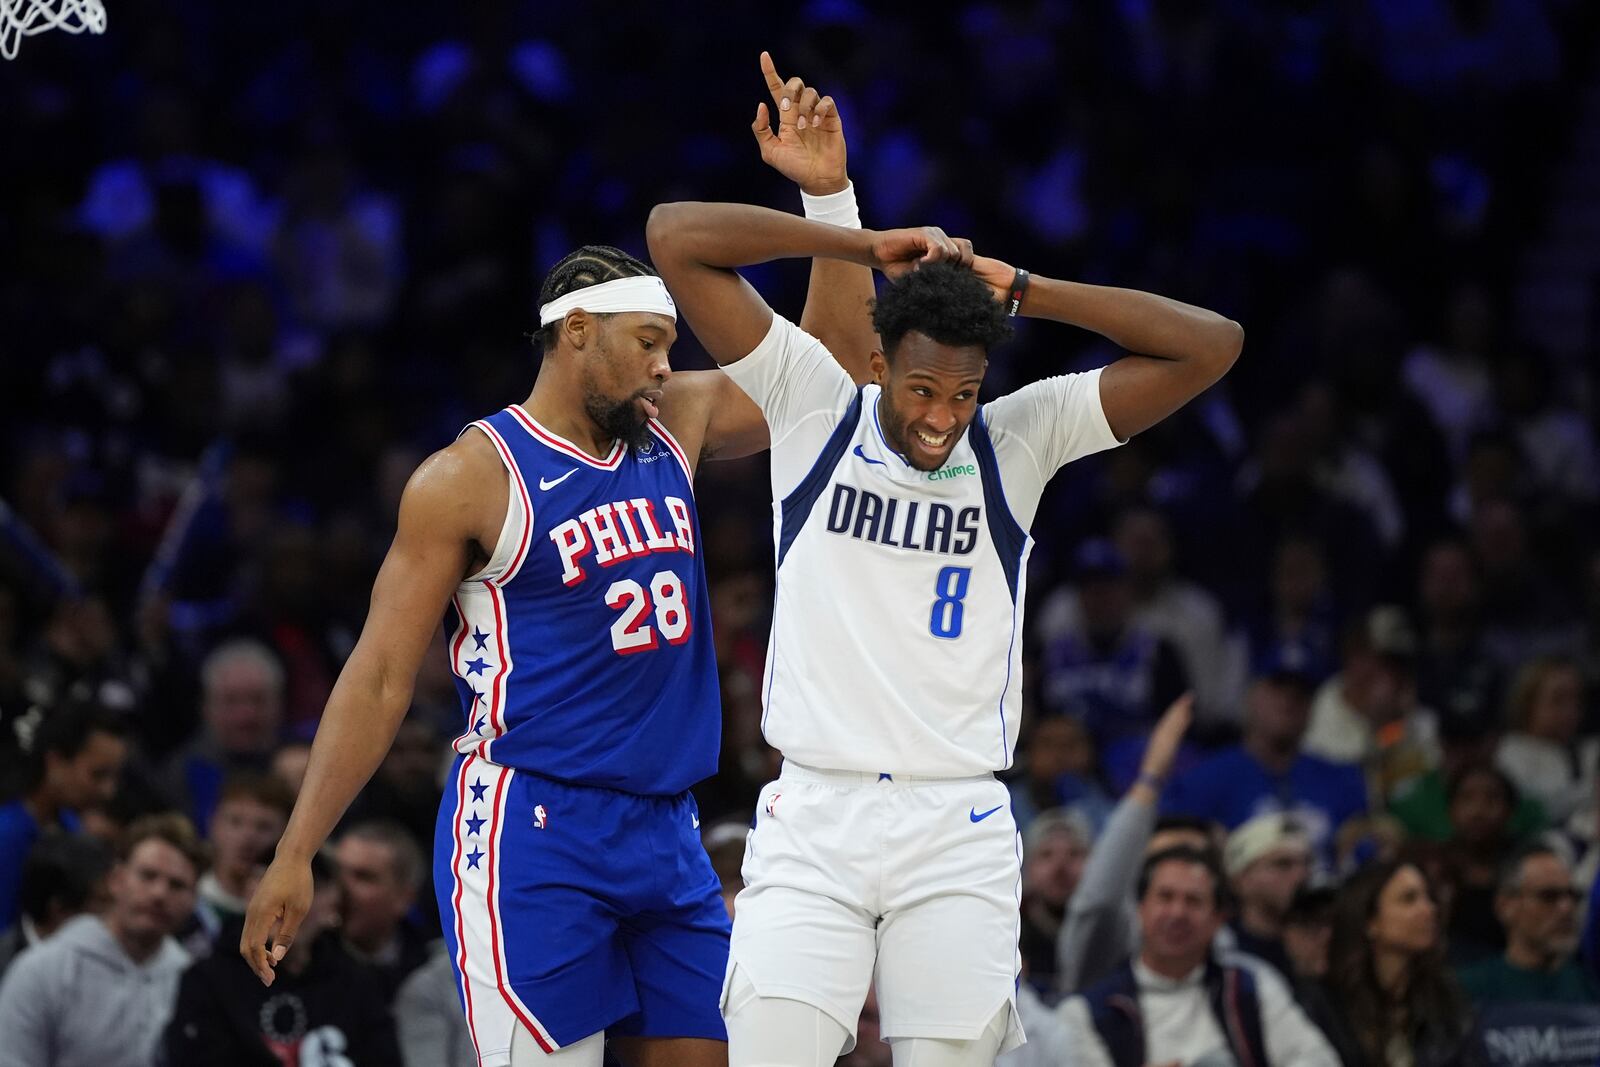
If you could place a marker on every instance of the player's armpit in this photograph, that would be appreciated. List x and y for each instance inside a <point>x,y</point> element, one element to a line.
<point>838,313</point>
<point>1136,392</point>
<point>1182,349</point>
<point>712,417</point>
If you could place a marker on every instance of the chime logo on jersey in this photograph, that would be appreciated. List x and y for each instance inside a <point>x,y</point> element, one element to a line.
<point>913,524</point>
<point>955,470</point>
<point>620,530</point>
<point>540,817</point>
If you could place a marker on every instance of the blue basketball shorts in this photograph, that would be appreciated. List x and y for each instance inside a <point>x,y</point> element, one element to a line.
<point>571,909</point>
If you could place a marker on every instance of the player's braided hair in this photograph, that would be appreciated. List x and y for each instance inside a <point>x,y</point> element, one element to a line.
<point>946,302</point>
<point>589,265</point>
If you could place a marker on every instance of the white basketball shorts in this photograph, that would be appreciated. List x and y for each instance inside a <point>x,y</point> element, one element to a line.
<point>912,883</point>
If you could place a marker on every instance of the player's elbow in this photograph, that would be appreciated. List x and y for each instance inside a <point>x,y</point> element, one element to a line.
<point>1224,347</point>
<point>667,230</point>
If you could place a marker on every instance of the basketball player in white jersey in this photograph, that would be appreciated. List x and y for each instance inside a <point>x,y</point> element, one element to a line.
<point>885,850</point>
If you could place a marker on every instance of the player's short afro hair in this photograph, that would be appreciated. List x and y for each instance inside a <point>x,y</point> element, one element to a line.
<point>946,302</point>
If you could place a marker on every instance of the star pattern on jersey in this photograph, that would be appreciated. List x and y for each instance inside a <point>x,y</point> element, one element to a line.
<point>475,821</point>
<point>480,639</point>
<point>476,666</point>
<point>477,727</point>
<point>477,697</point>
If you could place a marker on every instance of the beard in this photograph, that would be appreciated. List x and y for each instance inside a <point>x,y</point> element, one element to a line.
<point>621,419</point>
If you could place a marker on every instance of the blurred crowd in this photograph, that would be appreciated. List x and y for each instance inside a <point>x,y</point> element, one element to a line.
<point>258,262</point>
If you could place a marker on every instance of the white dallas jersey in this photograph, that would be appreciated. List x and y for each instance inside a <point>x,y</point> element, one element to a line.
<point>896,636</point>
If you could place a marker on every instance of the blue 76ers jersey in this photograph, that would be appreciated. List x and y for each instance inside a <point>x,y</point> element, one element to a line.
<point>583,650</point>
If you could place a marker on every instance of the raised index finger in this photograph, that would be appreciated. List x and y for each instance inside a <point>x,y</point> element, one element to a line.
<point>770,72</point>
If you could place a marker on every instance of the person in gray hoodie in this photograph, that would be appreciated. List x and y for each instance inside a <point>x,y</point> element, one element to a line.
<point>98,992</point>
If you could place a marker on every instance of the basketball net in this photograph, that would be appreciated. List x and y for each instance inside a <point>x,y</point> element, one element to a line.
<point>24,18</point>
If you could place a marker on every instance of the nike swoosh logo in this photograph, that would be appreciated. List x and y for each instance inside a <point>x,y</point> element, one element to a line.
<point>868,458</point>
<point>978,816</point>
<point>551,483</point>
<point>696,819</point>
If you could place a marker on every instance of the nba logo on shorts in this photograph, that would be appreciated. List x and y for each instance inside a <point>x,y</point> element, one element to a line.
<point>540,817</point>
<point>772,805</point>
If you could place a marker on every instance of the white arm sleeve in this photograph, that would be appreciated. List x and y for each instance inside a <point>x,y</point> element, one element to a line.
<point>801,390</point>
<point>1041,428</point>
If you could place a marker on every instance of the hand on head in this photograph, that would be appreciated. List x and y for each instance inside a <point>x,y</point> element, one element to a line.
<point>996,274</point>
<point>898,252</point>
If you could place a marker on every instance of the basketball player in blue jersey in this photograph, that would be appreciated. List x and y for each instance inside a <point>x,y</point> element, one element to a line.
<point>559,539</point>
<point>885,851</point>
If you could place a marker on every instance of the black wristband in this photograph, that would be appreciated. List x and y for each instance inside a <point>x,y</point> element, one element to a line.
<point>1019,285</point>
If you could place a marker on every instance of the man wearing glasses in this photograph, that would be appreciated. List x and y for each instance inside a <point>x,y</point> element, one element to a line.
<point>1539,906</point>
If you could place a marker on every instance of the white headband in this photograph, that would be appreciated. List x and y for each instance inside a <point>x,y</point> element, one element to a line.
<point>643,293</point>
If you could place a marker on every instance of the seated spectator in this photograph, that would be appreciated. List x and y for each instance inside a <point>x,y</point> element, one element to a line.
<point>122,966</point>
<point>1537,903</point>
<point>380,869</point>
<point>1345,465</point>
<point>1456,675</point>
<point>1388,999</point>
<point>1058,772</point>
<point>1526,609</point>
<point>1177,610</point>
<point>1298,631</point>
<point>1053,852</point>
<point>406,790</point>
<point>1467,867</point>
<point>288,764</point>
<point>1307,932</point>
<point>74,763</point>
<point>427,1013</point>
<point>1368,712</point>
<point>63,877</point>
<point>241,707</point>
<point>406,787</point>
<point>1101,666</point>
<point>251,813</point>
<point>1175,1002</point>
<point>1554,435</point>
<point>1267,861</point>
<point>1423,806</point>
<point>1544,753</point>
<point>321,1008</point>
<point>1268,771</point>
<point>1590,949</point>
<point>1101,925</point>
